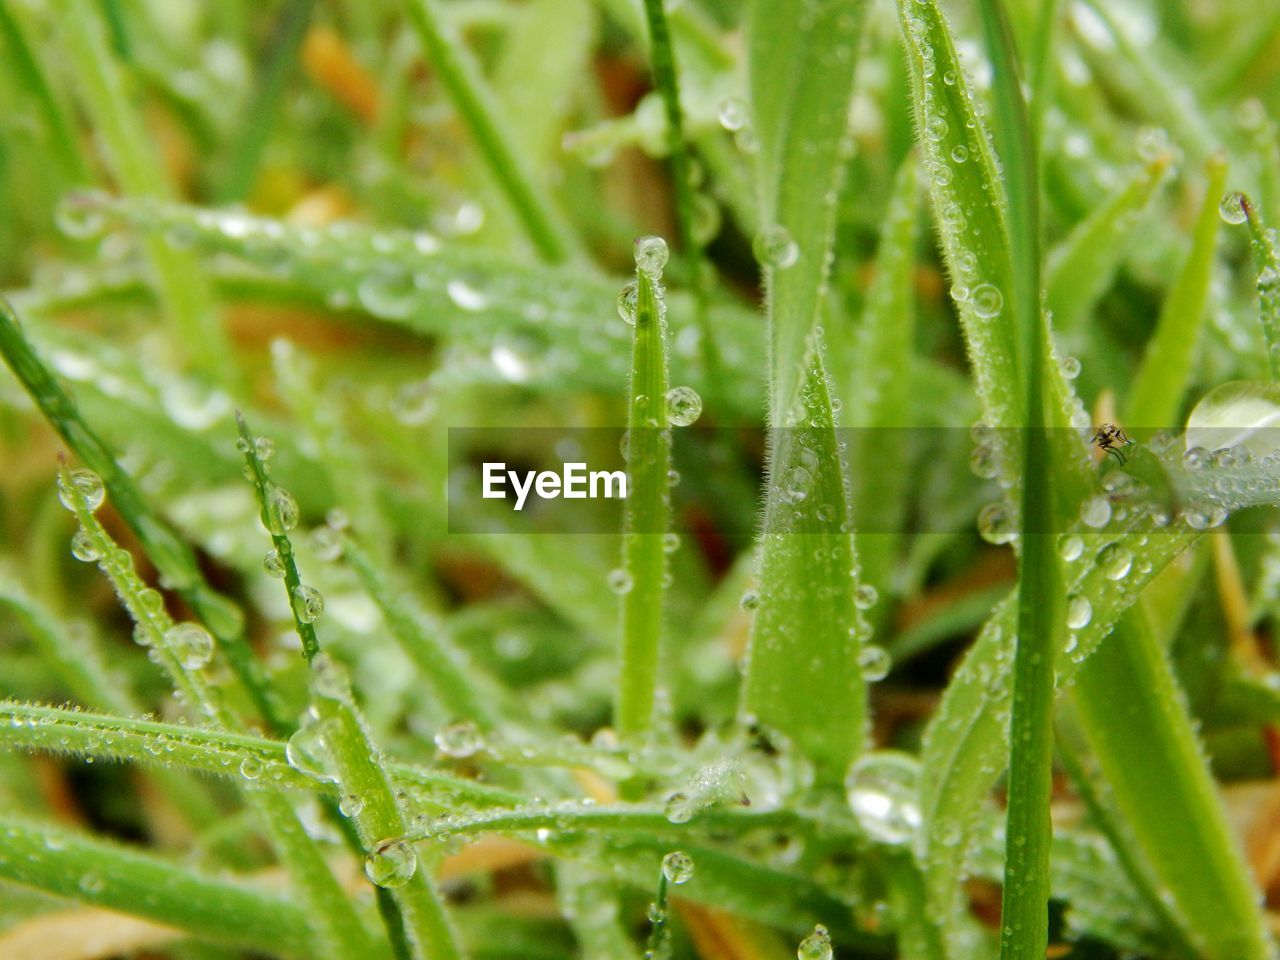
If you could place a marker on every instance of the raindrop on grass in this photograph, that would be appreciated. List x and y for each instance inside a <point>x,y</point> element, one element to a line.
<point>677,867</point>
<point>627,299</point>
<point>80,216</point>
<point>750,600</point>
<point>274,564</point>
<point>1079,612</point>
<point>391,864</point>
<point>996,523</point>
<point>1070,548</point>
<point>815,946</point>
<point>459,740</point>
<point>191,644</point>
<point>1232,208</point>
<point>874,662</point>
<point>1115,561</point>
<point>465,296</point>
<point>308,604</point>
<point>308,752</point>
<point>732,113</point>
<point>882,790</point>
<point>1096,512</point>
<point>651,255</point>
<point>84,483</point>
<point>620,581</point>
<point>680,808</point>
<point>774,247</point>
<point>282,511</point>
<point>684,406</point>
<point>987,300</point>
<point>389,294</point>
<point>251,768</point>
<point>865,596</point>
<point>351,805</point>
<point>82,548</point>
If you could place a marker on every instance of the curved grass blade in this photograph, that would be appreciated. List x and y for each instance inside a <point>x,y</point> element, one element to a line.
<point>67,864</point>
<point>647,513</point>
<point>479,111</point>
<point>1266,262</point>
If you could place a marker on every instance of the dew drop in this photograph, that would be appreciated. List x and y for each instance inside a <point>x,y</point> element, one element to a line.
<point>684,406</point>
<point>389,294</point>
<point>987,300</point>
<point>627,300</point>
<point>307,751</point>
<point>670,542</point>
<point>308,604</point>
<point>865,596</point>
<point>1115,561</point>
<point>679,808</point>
<point>459,740</point>
<point>264,448</point>
<point>391,864</point>
<point>282,511</point>
<point>882,791</point>
<point>774,247</point>
<point>874,662</point>
<point>1232,208</point>
<point>996,523</point>
<point>620,581</point>
<point>750,600</point>
<point>274,564</point>
<point>84,483</point>
<point>1079,612</point>
<point>959,153</point>
<point>1070,548</point>
<point>190,643</point>
<point>1070,367</point>
<point>326,543</point>
<point>251,768</point>
<point>816,945</point>
<point>1096,512</point>
<point>732,113</point>
<point>80,216</point>
<point>651,255</point>
<point>677,867</point>
<point>351,805</point>
<point>465,296</point>
<point>82,548</point>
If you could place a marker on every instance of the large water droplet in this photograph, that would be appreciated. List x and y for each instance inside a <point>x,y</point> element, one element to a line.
<point>1115,560</point>
<point>1232,208</point>
<point>651,255</point>
<point>307,751</point>
<point>684,406</point>
<point>1096,512</point>
<point>82,548</point>
<point>774,247</point>
<point>865,596</point>
<point>882,789</point>
<point>732,113</point>
<point>308,604</point>
<point>1070,548</point>
<point>84,483</point>
<point>627,299</point>
<point>1079,612</point>
<point>996,523</point>
<point>680,808</point>
<point>190,643</point>
<point>620,581</point>
<point>987,300</point>
<point>677,867</point>
<point>815,946</point>
<point>465,296</point>
<point>273,563</point>
<point>351,805</point>
<point>391,864</point>
<point>282,510</point>
<point>875,663</point>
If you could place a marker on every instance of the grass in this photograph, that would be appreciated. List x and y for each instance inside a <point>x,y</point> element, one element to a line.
<point>880,657</point>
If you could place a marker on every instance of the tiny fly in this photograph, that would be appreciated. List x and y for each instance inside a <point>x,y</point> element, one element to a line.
<point>1110,438</point>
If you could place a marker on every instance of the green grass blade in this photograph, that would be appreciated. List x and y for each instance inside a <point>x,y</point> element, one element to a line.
<point>1082,266</point>
<point>801,73</point>
<point>1138,728</point>
<point>172,557</point>
<point>804,675</point>
<point>1166,364</point>
<point>70,865</point>
<point>647,511</point>
<point>1266,262</point>
<point>182,287</point>
<point>477,108</point>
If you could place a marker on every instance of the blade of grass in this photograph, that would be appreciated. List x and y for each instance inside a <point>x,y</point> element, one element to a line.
<point>647,513</point>
<point>416,911</point>
<point>173,557</point>
<point>1166,363</point>
<point>1024,915</point>
<point>182,287</point>
<point>1266,263</point>
<point>478,110</point>
<point>67,864</point>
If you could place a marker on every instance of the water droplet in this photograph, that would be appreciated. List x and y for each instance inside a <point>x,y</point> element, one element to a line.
<point>1115,560</point>
<point>351,804</point>
<point>875,663</point>
<point>282,511</point>
<point>329,678</point>
<point>996,523</point>
<point>627,299</point>
<point>459,740</point>
<point>1232,208</point>
<point>750,600</point>
<point>1070,367</point>
<point>680,808</point>
<point>274,564</point>
<point>87,484</point>
<point>774,247</point>
<point>251,768</point>
<point>985,461</point>
<point>670,542</point>
<point>987,300</point>
<point>190,643</point>
<point>326,543</point>
<point>677,867</point>
<point>1152,144</point>
<point>1096,512</point>
<point>732,113</point>
<point>307,751</point>
<point>391,864</point>
<point>1070,548</point>
<point>389,294</point>
<point>651,255</point>
<point>865,596</point>
<point>795,485</point>
<point>959,153</point>
<point>705,219</point>
<point>465,296</point>
<point>882,789</point>
<point>815,946</point>
<point>264,448</point>
<point>1079,612</point>
<point>620,581</point>
<point>80,215</point>
<point>308,604</point>
<point>82,548</point>
<point>684,406</point>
